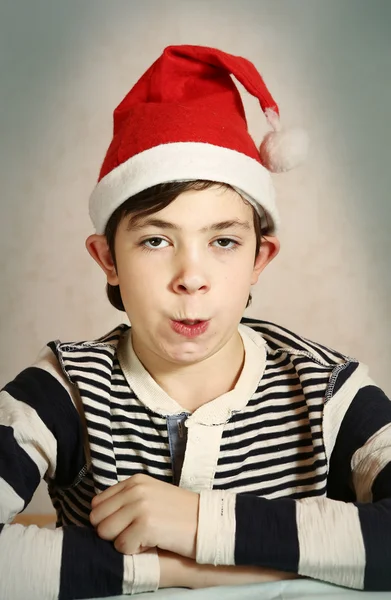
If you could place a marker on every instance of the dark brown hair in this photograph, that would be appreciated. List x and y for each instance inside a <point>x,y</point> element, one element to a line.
<point>150,201</point>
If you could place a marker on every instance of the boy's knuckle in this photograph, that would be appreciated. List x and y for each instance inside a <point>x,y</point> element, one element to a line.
<point>101,530</point>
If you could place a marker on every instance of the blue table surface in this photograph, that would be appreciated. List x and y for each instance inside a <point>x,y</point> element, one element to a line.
<point>296,589</point>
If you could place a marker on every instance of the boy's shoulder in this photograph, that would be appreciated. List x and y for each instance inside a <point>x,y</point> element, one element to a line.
<point>108,340</point>
<point>96,352</point>
<point>279,340</point>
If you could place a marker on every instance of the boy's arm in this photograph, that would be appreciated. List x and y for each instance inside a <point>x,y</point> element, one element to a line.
<point>41,437</point>
<point>178,571</point>
<point>347,543</point>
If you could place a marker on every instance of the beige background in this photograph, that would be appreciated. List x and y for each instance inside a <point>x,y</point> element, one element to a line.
<point>66,65</point>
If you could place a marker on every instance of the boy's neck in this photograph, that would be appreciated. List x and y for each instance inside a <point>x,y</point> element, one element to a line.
<point>193,385</point>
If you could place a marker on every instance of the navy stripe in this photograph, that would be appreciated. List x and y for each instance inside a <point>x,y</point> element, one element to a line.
<point>142,460</point>
<point>93,410</point>
<point>90,359</point>
<point>381,487</point>
<point>75,498</point>
<point>90,566</point>
<point>133,445</point>
<point>271,409</point>
<point>294,341</point>
<point>16,467</point>
<point>143,436</point>
<point>167,478</point>
<point>266,533</point>
<point>254,428</point>
<point>265,450</point>
<point>98,385</point>
<point>267,476</point>
<point>369,411</point>
<point>344,375</point>
<point>131,410</point>
<point>158,424</point>
<point>293,458</point>
<point>96,426</point>
<point>91,370</point>
<point>91,351</point>
<point>82,493</point>
<point>272,489</point>
<point>329,355</point>
<point>109,460</point>
<point>73,515</point>
<point>40,390</point>
<point>375,520</point>
<point>320,491</point>
<point>286,393</point>
<point>289,420</point>
<point>100,441</point>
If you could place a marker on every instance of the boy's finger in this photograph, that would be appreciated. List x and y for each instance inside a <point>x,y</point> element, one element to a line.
<point>105,509</point>
<point>111,527</point>
<point>132,540</point>
<point>111,491</point>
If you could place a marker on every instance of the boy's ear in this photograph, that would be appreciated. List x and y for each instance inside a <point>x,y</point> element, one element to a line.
<point>98,247</point>
<point>269,249</point>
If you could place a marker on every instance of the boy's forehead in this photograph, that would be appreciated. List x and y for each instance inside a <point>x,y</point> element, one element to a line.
<point>200,207</point>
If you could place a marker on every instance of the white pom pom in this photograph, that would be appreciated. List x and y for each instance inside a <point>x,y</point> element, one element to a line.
<point>282,150</point>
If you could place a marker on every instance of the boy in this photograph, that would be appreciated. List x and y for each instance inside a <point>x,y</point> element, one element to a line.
<point>194,448</point>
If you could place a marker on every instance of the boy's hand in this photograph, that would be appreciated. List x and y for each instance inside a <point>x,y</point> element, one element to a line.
<point>142,512</point>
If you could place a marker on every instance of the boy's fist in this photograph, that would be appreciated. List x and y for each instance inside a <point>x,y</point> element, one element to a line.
<point>142,512</point>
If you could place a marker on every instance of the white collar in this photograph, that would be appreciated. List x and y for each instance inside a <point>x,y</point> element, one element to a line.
<point>216,411</point>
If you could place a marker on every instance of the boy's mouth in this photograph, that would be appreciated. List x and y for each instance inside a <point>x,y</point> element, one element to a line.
<point>190,322</point>
<point>190,327</point>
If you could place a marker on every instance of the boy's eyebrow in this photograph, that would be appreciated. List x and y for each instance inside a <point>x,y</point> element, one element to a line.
<point>137,224</point>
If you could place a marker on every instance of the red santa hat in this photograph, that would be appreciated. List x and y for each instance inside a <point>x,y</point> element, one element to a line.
<point>184,120</point>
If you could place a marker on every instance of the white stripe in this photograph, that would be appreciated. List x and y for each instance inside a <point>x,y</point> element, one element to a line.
<point>28,429</point>
<point>48,362</point>
<point>137,436</point>
<point>146,572</point>
<point>129,465</point>
<point>291,480</point>
<point>259,469</point>
<point>30,562</point>
<point>368,461</point>
<point>202,453</point>
<point>182,161</point>
<point>330,542</point>
<point>216,528</point>
<point>128,577</point>
<point>337,406</point>
<point>271,454</point>
<point>11,503</point>
<point>279,429</point>
<point>296,488</point>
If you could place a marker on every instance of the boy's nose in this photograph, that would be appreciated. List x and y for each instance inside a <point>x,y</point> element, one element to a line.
<point>190,285</point>
<point>189,279</point>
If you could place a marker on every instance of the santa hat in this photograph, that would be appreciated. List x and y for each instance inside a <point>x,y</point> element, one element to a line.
<point>184,120</point>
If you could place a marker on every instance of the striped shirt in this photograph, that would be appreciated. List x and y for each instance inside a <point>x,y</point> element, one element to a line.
<point>293,466</point>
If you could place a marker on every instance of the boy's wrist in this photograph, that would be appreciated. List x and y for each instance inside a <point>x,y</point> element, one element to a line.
<point>178,571</point>
<point>175,570</point>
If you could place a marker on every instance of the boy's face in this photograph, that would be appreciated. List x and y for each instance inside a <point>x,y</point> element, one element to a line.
<point>183,262</point>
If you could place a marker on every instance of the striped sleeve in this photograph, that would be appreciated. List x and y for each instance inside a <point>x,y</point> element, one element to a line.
<point>41,436</point>
<point>344,538</point>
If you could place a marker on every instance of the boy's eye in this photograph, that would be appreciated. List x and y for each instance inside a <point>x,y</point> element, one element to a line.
<point>154,242</point>
<point>158,242</point>
<point>227,243</point>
